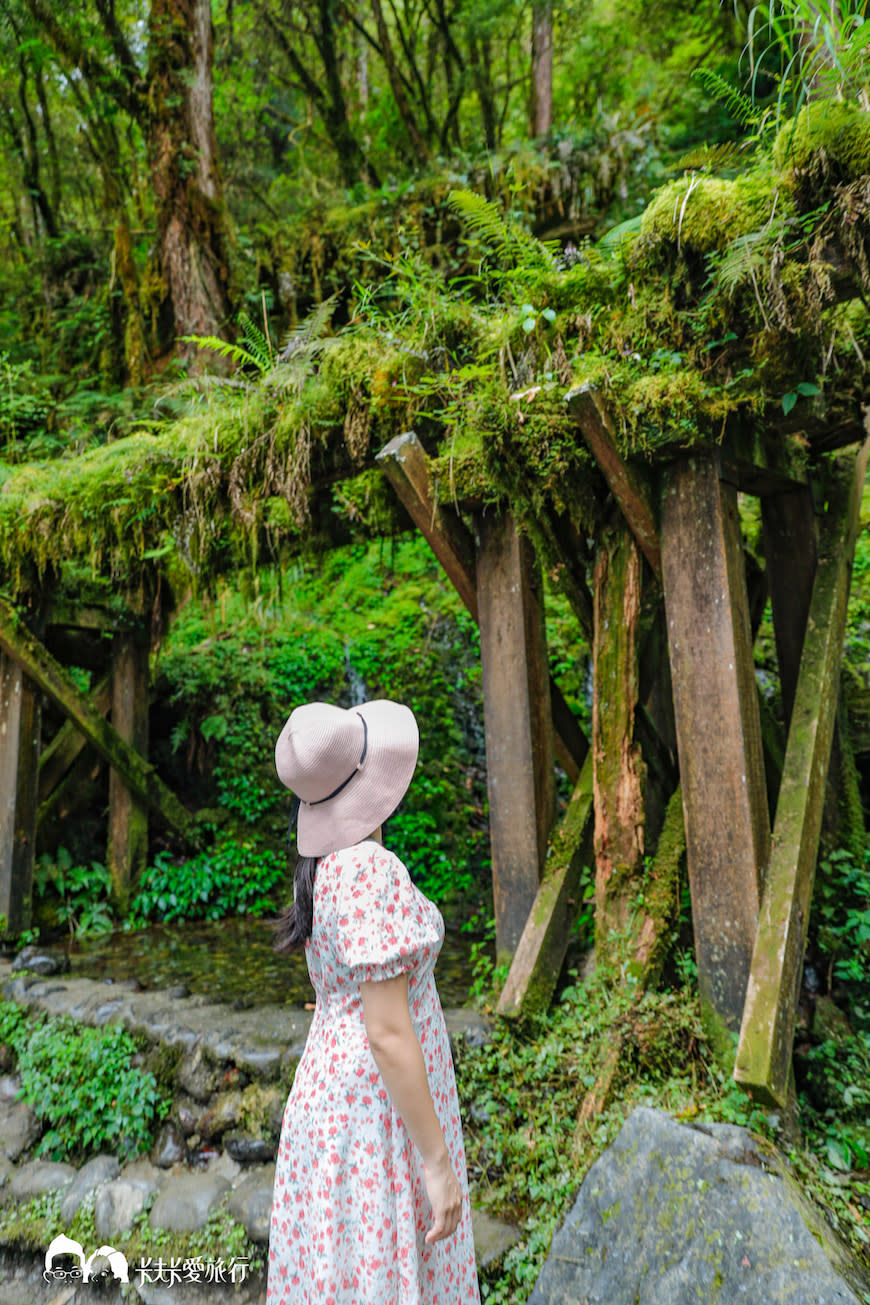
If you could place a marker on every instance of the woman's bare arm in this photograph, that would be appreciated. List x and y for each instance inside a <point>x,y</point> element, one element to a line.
<point>398,1056</point>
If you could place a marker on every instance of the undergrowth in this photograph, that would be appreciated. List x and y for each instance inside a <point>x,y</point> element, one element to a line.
<point>521,1095</point>
<point>83,1085</point>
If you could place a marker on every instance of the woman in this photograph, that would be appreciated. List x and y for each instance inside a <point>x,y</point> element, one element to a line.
<point>370,1203</point>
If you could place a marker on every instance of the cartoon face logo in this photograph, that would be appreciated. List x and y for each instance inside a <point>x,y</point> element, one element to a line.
<point>63,1245</point>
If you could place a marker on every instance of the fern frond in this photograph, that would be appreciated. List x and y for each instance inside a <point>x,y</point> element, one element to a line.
<point>256,342</point>
<point>481,216</point>
<point>225,348</point>
<point>714,158</point>
<point>507,239</point>
<point>737,105</point>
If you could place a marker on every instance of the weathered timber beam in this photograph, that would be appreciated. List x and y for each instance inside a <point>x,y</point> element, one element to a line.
<point>619,773</point>
<point>73,791</point>
<point>128,817</point>
<point>517,721</point>
<point>767,1030</point>
<point>83,616</point>
<point>20,712</point>
<point>568,576</point>
<point>540,952</point>
<point>19,644</point>
<point>627,483</point>
<point>718,727</point>
<point>58,758</point>
<point>762,461</point>
<point>406,466</point>
<point>791,551</point>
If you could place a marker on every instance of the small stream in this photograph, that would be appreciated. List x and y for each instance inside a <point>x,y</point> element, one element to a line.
<point>232,960</point>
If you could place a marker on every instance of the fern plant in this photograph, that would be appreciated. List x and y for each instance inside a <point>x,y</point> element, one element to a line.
<point>509,242</point>
<point>282,369</point>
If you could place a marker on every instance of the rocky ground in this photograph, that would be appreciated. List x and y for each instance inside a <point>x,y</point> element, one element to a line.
<point>214,1154</point>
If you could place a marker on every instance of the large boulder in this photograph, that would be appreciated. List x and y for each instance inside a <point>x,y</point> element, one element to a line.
<point>674,1214</point>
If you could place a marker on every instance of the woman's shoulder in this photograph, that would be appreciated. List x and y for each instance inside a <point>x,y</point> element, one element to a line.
<point>366,855</point>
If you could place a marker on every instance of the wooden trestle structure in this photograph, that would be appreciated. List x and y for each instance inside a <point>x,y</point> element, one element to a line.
<point>684,755</point>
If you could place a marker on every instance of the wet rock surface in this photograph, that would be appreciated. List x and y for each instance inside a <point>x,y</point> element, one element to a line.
<point>673,1214</point>
<point>95,1174</point>
<point>187,1199</point>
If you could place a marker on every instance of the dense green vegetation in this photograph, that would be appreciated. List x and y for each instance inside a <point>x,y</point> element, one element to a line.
<point>82,1085</point>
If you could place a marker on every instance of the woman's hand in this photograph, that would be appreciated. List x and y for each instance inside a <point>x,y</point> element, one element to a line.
<point>445,1197</point>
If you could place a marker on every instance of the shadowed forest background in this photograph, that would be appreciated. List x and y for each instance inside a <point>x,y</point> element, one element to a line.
<point>234,220</point>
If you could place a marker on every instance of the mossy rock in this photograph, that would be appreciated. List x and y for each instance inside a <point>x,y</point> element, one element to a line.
<point>704,214</point>
<point>826,145</point>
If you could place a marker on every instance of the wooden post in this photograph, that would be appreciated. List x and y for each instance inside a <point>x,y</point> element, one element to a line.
<point>406,466</point>
<point>55,683</point>
<point>517,722</point>
<point>619,773</point>
<point>790,549</point>
<point>765,1047</point>
<point>718,729</point>
<point>20,720</point>
<point>128,817</point>
<point>538,959</point>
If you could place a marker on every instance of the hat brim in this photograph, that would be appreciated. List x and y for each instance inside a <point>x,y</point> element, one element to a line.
<point>376,789</point>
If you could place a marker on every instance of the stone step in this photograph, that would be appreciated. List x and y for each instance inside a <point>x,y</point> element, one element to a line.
<point>260,1041</point>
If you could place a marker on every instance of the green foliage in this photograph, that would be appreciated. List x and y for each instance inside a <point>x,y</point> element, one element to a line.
<point>79,895</point>
<point>230,878</point>
<point>82,1084</point>
<point>813,49</point>
<point>354,624</point>
<point>841,928</point>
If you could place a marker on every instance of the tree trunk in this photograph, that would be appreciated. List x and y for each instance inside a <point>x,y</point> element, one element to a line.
<point>191,241</point>
<point>542,68</point>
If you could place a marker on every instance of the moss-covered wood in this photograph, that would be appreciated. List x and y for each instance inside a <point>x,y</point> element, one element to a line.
<point>20,716</point>
<point>128,815</point>
<point>767,1030</point>
<point>20,645</point>
<point>718,727</point>
<point>619,770</point>
<point>627,483</point>
<point>406,466</point>
<point>538,958</point>
<point>517,722</point>
<point>65,748</point>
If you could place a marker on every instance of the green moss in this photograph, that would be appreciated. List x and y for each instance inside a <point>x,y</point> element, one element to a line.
<point>703,214</point>
<point>827,139</point>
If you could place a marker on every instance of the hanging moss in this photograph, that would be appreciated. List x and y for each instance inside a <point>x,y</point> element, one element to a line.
<point>723,303</point>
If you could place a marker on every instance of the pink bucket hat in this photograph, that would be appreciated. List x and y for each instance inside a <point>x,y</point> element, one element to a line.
<point>348,769</point>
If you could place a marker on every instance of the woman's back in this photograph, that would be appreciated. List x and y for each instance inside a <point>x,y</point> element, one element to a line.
<point>350,1208</point>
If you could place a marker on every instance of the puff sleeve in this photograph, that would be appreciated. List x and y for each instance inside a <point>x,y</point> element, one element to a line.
<point>382,924</point>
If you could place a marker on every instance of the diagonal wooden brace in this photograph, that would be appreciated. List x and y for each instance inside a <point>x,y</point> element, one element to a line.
<point>767,1031</point>
<point>61,754</point>
<point>142,781</point>
<point>538,958</point>
<point>627,484</point>
<point>406,466</point>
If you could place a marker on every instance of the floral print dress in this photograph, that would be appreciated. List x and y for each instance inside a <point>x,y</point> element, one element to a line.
<point>349,1208</point>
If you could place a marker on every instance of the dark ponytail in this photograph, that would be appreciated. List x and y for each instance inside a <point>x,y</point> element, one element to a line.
<point>292,930</point>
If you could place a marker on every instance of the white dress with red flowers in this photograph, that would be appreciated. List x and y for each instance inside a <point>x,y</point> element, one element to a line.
<point>349,1208</point>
